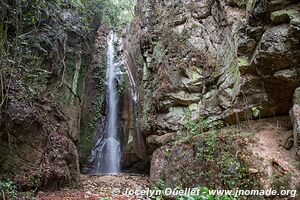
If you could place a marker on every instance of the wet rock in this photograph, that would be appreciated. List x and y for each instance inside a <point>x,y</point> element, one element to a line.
<point>200,10</point>
<point>273,43</point>
<point>246,45</point>
<point>132,162</point>
<point>240,3</point>
<point>281,77</point>
<point>288,74</point>
<point>22,144</point>
<point>195,53</point>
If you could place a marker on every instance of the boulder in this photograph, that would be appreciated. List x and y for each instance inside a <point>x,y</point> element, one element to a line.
<point>296,97</point>
<point>156,141</point>
<point>37,151</point>
<point>204,160</point>
<point>295,117</point>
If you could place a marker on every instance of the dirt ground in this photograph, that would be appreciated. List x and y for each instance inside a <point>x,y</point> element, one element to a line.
<point>95,187</point>
<point>272,157</point>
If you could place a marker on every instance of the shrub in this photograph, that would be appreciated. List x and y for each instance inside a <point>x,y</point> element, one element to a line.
<point>8,190</point>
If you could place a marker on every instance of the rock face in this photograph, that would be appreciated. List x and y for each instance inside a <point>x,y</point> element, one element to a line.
<point>41,111</point>
<point>93,103</point>
<point>43,146</point>
<point>295,116</point>
<point>217,60</point>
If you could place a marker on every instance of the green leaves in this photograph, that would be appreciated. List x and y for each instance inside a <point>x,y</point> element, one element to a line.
<point>8,190</point>
<point>117,12</point>
<point>255,111</point>
<point>195,127</point>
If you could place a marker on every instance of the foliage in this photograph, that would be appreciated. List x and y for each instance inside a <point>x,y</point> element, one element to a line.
<point>35,47</point>
<point>218,150</point>
<point>8,190</point>
<point>111,12</point>
<point>192,126</point>
<point>29,41</point>
<point>39,42</point>
<point>215,149</point>
<point>167,152</point>
<point>34,34</point>
<point>195,127</point>
<point>214,159</point>
<point>255,111</point>
<point>87,131</point>
<point>160,185</point>
<point>281,181</point>
<point>117,12</point>
<point>239,3</point>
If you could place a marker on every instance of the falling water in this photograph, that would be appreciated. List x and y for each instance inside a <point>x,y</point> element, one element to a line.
<point>106,154</point>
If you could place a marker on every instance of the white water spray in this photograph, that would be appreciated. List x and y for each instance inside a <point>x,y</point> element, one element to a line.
<point>107,153</point>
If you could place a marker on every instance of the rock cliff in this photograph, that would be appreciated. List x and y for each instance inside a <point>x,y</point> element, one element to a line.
<point>212,61</point>
<point>45,57</point>
<point>215,59</point>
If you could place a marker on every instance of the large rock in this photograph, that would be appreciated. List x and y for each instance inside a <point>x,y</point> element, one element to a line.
<point>295,117</point>
<point>38,151</point>
<point>296,97</point>
<point>155,141</point>
<point>206,160</point>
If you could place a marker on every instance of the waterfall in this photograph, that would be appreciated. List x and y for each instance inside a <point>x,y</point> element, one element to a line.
<point>112,133</point>
<point>106,154</point>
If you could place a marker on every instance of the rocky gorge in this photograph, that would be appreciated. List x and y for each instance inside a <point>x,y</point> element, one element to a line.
<point>218,85</point>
